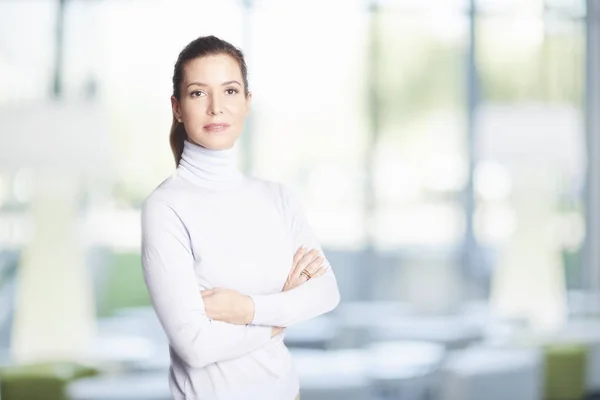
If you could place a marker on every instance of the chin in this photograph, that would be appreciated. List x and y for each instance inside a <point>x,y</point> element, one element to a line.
<point>215,142</point>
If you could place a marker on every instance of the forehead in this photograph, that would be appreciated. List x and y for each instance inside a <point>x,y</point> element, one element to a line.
<point>213,69</point>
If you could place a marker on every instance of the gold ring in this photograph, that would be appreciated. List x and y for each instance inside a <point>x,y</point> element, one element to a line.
<point>306,274</point>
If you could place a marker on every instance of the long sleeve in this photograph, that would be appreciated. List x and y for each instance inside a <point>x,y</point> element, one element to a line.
<point>313,298</point>
<point>167,263</point>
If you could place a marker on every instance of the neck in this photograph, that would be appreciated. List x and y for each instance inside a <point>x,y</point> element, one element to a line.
<point>214,169</point>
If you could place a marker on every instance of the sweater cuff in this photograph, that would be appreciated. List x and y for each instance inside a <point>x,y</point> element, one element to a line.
<point>264,310</point>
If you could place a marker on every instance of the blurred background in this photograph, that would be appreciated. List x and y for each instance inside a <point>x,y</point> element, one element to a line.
<point>447,153</point>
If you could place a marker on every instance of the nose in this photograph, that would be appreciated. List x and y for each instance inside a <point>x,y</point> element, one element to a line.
<point>214,108</point>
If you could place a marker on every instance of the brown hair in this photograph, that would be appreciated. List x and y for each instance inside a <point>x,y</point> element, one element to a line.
<point>200,47</point>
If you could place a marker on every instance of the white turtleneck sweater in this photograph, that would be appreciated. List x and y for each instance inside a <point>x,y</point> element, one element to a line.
<point>206,226</point>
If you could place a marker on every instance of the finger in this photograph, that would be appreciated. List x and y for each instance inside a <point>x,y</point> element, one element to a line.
<point>208,292</point>
<point>297,257</point>
<point>300,250</point>
<point>320,271</point>
<point>303,262</point>
<point>310,269</point>
<point>308,259</point>
<point>314,266</point>
<point>305,275</point>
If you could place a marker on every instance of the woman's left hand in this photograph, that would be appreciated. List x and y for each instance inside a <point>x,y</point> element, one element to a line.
<point>228,305</point>
<point>311,261</point>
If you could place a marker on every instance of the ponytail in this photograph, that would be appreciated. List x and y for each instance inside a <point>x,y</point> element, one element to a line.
<point>176,138</point>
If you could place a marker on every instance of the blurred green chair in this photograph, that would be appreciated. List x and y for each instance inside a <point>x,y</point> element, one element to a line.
<point>565,371</point>
<point>42,381</point>
<point>125,286</point>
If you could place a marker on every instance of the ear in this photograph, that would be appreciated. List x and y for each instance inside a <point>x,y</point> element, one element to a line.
<point>176,108</point>
<point>248,102</point>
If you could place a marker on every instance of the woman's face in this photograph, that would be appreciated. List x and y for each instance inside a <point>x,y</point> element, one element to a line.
<point>213,105</point>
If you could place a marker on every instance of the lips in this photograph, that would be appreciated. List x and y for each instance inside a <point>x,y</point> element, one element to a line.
<point>220,127</point>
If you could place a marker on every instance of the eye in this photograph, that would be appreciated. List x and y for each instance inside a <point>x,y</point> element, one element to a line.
<point>197,93</point>
<point>231,91</point>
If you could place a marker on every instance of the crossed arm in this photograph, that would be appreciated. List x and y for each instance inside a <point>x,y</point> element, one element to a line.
<point>193,334</point>
<point>231,306</point>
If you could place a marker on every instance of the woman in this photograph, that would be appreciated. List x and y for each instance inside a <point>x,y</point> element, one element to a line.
<point>229,260</point>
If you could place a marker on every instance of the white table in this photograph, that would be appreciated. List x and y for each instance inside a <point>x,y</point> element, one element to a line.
<point>404,369</point>
<point>317,333</point>
<point>332,374</point>
<point>454,332</point>
<point>492,374</point>
<point>357,319</point>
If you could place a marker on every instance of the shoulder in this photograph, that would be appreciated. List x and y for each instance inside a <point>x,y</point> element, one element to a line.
<point>165,195</point>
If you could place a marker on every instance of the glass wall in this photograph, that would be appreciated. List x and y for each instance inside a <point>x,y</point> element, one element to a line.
<point>437,146</point>
<point>368,122</point>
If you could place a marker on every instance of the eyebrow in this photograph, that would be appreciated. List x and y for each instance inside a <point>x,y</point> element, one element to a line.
<point>204,84</point>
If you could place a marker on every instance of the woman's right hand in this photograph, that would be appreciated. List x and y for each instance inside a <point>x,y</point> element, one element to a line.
<point>312,261</point>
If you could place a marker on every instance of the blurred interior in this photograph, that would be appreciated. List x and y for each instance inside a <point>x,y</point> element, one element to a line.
<point>447,154</point>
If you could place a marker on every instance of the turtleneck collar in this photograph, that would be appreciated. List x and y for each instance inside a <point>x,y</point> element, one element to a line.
<point>214,169</point>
